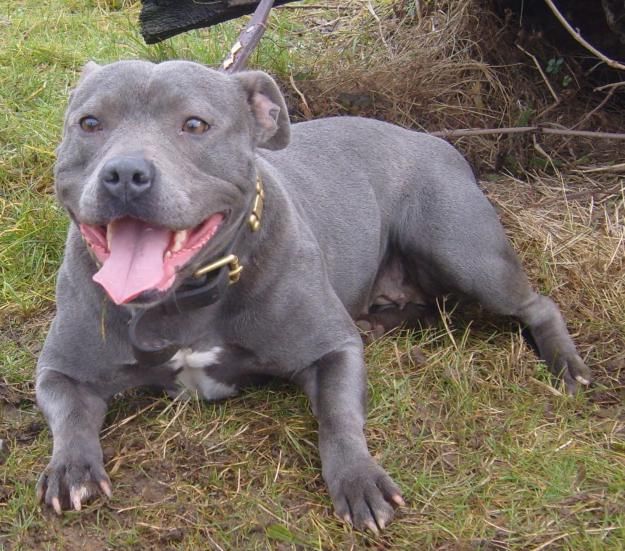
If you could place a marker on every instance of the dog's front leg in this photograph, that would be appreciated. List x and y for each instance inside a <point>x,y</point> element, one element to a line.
<point>75,413</point>
<point>361,490</point>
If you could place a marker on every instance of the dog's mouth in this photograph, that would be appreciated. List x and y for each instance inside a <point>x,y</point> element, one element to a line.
<point>136,256</point>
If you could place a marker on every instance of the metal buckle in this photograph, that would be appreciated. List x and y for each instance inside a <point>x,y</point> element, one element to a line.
<point>232,261</point>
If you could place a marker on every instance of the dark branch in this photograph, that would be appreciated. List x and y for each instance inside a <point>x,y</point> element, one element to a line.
<point>527,130</point>
<point>248,39</point>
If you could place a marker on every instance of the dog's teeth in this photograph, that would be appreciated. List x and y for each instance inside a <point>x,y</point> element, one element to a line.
<point>180,238</point>
<point>168,254</point>
<point>109,236</point>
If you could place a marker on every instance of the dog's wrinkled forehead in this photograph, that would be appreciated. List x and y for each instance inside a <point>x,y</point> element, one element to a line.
<point>139,86</point>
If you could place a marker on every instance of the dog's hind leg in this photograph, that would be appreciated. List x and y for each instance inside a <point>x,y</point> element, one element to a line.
<point>495,279</point>
<point>468,253</point>
<point>555,346</point>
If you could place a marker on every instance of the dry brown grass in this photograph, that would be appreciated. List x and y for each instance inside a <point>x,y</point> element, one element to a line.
<point>568,227</point>
<point>403,60</point>
<point>573,244</point>
<point>447,65</point>
<point>424,70</point>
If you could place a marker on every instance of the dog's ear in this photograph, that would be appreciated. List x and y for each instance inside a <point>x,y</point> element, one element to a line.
<point>89,68</point>
<point>272,127</point>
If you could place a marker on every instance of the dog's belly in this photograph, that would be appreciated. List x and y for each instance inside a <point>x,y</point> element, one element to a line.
<point>358,194</point>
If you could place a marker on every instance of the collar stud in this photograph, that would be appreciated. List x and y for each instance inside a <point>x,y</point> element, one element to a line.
<point>257,208</point>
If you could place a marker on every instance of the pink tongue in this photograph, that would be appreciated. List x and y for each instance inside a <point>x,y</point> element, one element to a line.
<point>136,260</point>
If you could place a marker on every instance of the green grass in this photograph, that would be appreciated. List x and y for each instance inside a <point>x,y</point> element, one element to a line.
<point>489,456</point>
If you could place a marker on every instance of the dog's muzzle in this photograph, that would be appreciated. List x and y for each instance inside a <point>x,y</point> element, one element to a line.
<point>205,287</point>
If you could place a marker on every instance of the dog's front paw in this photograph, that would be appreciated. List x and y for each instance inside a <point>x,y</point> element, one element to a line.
<point>68,482</point>
<point>364,495</point>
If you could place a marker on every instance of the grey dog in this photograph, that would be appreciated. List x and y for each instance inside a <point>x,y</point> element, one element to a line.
<point>213,245</point>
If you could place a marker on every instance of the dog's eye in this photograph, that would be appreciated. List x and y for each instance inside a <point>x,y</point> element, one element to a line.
<point>194,125</point>
<point>90,124</point>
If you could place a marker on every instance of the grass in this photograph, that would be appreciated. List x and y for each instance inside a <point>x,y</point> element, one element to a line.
<point>488,453</point>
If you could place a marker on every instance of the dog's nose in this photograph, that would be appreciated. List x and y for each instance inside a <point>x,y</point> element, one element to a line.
<point>127,177</point>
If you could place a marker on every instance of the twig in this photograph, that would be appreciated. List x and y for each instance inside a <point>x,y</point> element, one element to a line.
<point>608,86</point>
<point>552,540</point>
<point>248,39</point>
<point>483,131</point>
<point>525,130</point>
<point>596,194</point>
<point>583,133</point>
<point>591,113</point>
<point>542,152</point>
<point>547,387</point>
<point>312,7</point>
<point>375,16</point>
<point>607,168</point>
<point>305,107</point>
<point>578,37</point>
<point>542,73</point>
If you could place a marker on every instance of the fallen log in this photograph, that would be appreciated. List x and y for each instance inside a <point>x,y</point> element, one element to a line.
<point>161,19</point>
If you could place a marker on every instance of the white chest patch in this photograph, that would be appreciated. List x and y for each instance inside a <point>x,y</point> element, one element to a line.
<point>193,377</point>
<point>196,360</point>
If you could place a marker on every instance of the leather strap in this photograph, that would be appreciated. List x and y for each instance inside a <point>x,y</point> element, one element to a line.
<point>195,292</point>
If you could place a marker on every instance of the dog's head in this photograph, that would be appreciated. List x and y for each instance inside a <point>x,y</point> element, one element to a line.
<point>156,166</point>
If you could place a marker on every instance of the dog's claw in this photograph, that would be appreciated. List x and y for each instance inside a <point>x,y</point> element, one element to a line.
<point>76,502</point>
<point>582,380</point>
<point>371,525</point>
<point>40,492</point>
<point>398,500</point>
<point>106,488</point>
<point>364,495</point>
<point>56,505</point>
<point>68,483</point>
<point>76,495</point>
